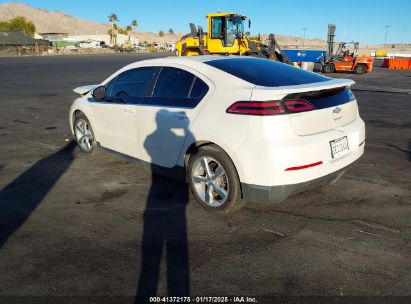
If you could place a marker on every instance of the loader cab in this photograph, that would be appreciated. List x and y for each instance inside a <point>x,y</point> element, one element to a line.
<point>225,30</point>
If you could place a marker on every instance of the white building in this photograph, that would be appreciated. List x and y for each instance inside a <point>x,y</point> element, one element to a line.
<point>121,39</point>
<point>170,46</point>
<point>93,44</point>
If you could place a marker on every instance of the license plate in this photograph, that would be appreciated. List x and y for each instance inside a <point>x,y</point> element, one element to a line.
<point>339,147</point>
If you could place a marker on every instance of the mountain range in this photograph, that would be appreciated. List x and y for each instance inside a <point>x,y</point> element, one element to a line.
<point>60,22</point>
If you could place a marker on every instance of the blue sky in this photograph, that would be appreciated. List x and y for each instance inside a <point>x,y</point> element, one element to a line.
<point>361,20</point>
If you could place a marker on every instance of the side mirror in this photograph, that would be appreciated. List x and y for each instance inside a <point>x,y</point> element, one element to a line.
<point>249,23</point>
<point>99,92</point>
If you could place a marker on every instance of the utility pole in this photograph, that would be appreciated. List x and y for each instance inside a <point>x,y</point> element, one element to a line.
<point>386,33</point>
<point>402,36</point>
<point>304,29</point>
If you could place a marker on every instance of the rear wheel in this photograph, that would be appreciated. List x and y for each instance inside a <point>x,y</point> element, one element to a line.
<point>360,69</point>
<point>83,133</point>
<point>328,68</point>
<point>214,180</point>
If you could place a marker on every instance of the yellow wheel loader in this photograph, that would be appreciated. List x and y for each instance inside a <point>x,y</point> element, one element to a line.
<point>226,36</point>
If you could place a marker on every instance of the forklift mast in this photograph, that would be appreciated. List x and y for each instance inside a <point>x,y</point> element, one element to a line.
<point>330,41</point>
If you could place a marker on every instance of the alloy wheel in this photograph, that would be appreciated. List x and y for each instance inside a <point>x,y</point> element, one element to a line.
<point>210,181</point>
<point>84,137</point>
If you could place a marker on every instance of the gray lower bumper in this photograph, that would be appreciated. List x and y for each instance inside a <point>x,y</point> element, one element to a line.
<point>257,194</point>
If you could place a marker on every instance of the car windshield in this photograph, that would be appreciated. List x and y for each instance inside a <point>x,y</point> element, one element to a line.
<point>235,27</point>
<point>264,72</point>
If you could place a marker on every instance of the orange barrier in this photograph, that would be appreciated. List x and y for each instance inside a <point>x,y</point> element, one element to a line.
<point>397,63</point>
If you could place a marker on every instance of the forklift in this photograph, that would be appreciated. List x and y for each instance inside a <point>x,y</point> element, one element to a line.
<point>226,36</point>
<point>346,57</point>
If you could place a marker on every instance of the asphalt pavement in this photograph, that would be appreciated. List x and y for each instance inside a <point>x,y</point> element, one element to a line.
<point>74,224</point>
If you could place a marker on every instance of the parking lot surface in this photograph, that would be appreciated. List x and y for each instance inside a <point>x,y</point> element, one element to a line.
<point>93,225</point>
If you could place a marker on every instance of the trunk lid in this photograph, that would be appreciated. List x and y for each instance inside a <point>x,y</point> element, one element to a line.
<point>335,105</point>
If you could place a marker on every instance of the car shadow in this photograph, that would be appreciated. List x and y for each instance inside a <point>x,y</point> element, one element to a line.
<point>165,228</point>
<point>21,197</point>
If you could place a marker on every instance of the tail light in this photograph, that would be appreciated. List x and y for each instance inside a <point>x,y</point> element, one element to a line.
<point>257,108</point>
<point>296,106</point>
<point>269,107</point>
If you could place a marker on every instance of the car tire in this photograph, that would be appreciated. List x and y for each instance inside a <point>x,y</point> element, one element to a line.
<point>360,69</point>
<point>328,68</point>
<point>83,133</point>
<point>218,191</point>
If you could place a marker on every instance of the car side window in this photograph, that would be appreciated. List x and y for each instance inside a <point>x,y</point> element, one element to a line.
<point>177,88</point>
<point>199,89</point>
<point>173,83</point>
<point>130,85</point>
<point>110,85</point>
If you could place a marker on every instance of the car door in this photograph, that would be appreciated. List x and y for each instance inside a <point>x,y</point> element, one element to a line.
<point>116,117</point>
<point>166,115</point>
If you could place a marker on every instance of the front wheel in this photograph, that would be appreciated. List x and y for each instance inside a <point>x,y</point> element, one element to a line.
<point>328,68</point>
<point>214,180</point>
<point>83,133</point>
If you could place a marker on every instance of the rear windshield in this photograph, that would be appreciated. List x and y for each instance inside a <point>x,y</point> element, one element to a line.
<point>263,72</point>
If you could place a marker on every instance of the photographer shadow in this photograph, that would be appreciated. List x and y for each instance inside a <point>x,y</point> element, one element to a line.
<point>165,227</point>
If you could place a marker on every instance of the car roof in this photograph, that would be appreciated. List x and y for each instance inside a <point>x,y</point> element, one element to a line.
<point>196,63</point>
<point>188,59</point>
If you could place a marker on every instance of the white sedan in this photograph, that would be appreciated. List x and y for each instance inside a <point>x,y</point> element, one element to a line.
<point>237,129</point>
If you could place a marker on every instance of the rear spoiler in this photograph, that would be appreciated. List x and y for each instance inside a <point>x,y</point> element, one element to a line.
<point>261,93</point>
<point>85,89</point>
<point>324,85</point>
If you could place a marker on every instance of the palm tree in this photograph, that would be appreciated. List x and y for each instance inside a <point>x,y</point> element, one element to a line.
<point>170,31</point>
<point>134,24</point>
<point>128,30</point>
<point>112,18</point>
<point>115,33</point>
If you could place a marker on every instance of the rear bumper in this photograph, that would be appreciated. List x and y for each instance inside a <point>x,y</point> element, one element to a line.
<point>261,194</point>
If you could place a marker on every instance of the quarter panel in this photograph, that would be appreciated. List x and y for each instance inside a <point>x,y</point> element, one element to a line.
<point>213,124</point>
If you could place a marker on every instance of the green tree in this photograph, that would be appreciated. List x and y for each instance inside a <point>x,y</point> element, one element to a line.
<point>128,30</point>
<point>113,19</point>
<point>19,23</point>
<point>161,34</point>
<point>134,24</point>
<point>122,31</point>
<point>170,31</point>
<point>4,26</point>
